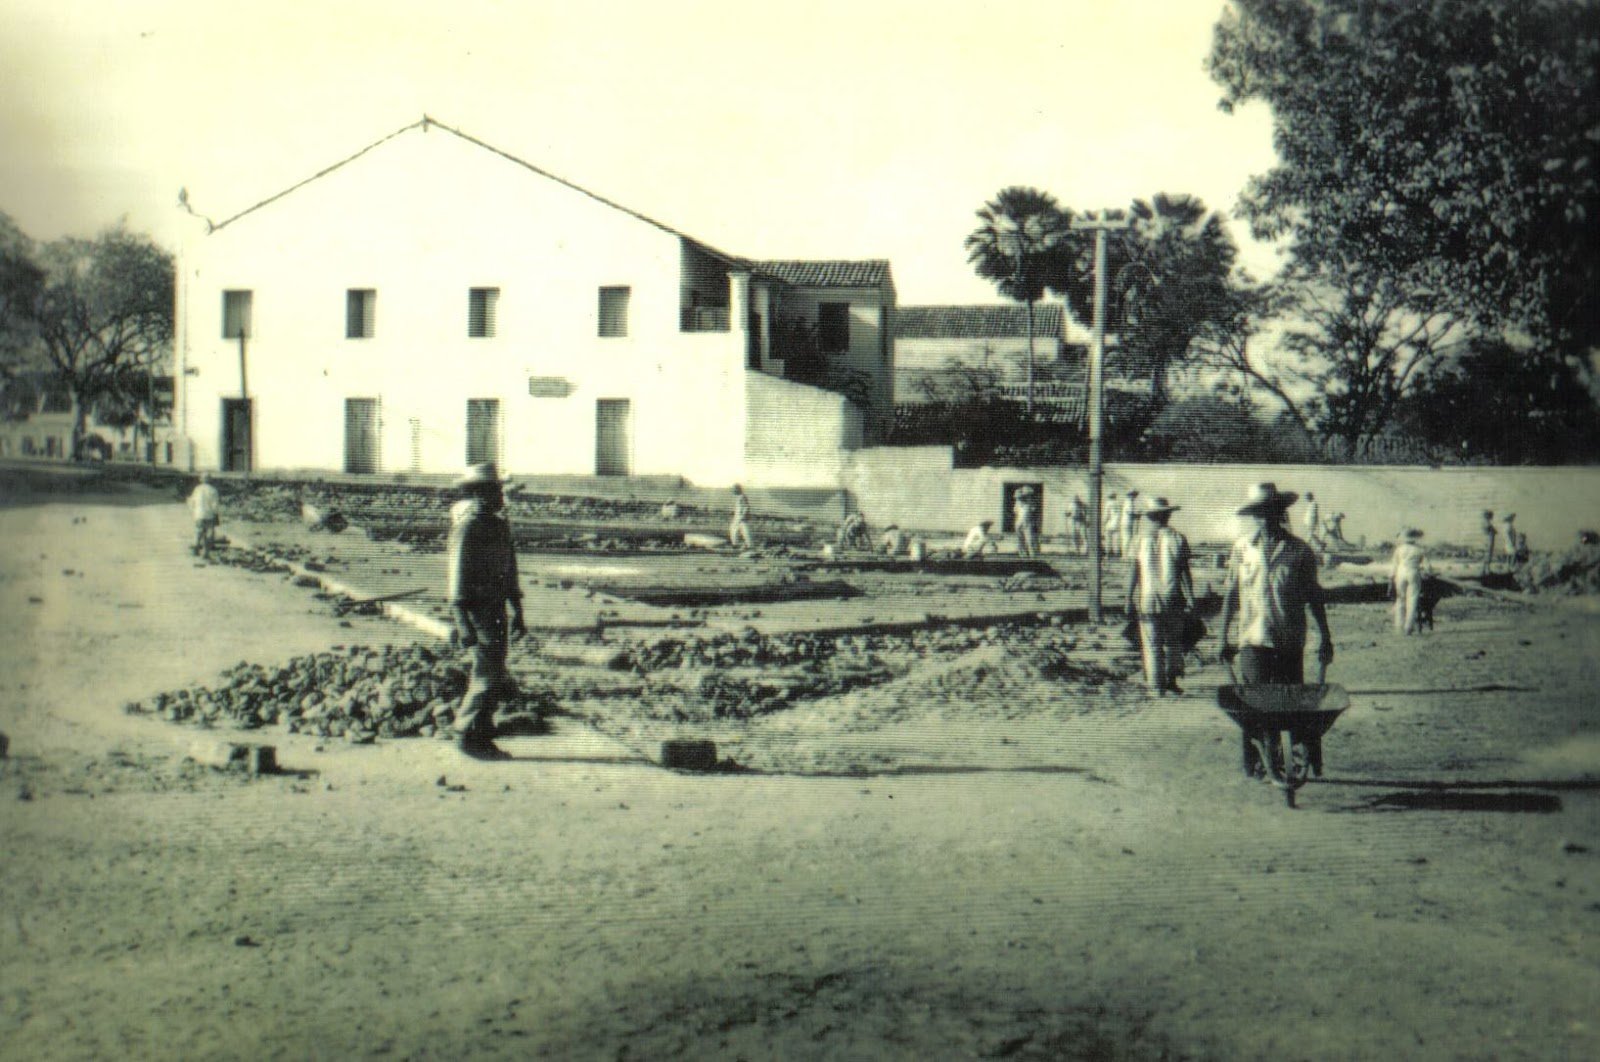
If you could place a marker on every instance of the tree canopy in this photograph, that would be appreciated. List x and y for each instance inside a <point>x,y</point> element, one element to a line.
<point>1446,145</point>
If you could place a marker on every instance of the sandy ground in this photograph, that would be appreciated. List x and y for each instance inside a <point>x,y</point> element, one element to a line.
<point>1043,876</point>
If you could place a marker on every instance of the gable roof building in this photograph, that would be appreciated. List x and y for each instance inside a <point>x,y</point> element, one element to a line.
<point>432,300</point>
<point>933,344</point>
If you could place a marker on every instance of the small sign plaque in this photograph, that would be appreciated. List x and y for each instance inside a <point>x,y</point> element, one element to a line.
<point>549,386</point>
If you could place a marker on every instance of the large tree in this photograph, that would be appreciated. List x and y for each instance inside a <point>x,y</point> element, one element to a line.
<point>103,313</point>
<point>1169,285</point>
<point>1446,146</point>
<point>21,280</point>
<point>1018,244</point>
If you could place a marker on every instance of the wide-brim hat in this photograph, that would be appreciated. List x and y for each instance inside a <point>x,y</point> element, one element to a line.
<point>1413,532</point>
<point>1161,507</point>
<point>482,474</point>
<point>1267,498</point>
<point>1509,516</point>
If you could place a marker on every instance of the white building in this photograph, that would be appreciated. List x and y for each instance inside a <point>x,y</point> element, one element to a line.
<point>931,341</point>
<point>433,301</point>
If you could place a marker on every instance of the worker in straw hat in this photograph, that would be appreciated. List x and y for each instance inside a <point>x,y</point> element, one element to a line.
<point>481,580</point>
<point>1024,512</point>
<point>1272,584</point>
<point>1405,580</point>
<point>1161,595</point>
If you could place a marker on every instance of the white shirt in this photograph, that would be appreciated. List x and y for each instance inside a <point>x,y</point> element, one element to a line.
<point>205,503</point>
<point>1410,560</point>
<point>977,539</point>
<point>1274,584</point>
<point>1161,566</point>
<point>1311,518</point>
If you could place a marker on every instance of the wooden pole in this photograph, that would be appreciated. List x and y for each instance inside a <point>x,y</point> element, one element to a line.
<point>1099,225</point>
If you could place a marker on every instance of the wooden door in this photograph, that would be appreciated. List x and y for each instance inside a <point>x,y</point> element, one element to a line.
<point>613,437</point>
<point>236,449</point>
<point>361,442</point>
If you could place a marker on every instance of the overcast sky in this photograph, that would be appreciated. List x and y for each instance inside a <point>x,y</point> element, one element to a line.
<point>821,129</point>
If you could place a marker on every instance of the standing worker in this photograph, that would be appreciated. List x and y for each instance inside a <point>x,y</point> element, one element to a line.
<point>1272,583</point>
<point>1313,521</point>
<point>1161,594</point>
<point>739,528</point>
<point>1509,534</point>
<point>1078,526</point>
<point>481,579</point>
<point>1488,540</point>
<point>1022,512</point>
<point>894,540</point>
<point>205,505</point>
<point>1110,522</point>
<point>1130,522</point>
<point>1405,579</point>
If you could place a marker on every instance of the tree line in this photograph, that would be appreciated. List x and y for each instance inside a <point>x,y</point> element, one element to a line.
<point>92,318</point>
<point>1436,200</point>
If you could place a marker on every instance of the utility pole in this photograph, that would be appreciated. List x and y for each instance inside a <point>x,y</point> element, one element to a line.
<point>1098,224</point>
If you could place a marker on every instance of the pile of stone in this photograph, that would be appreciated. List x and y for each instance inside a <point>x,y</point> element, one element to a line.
<point>359,693</point>
<point>1576,571</point>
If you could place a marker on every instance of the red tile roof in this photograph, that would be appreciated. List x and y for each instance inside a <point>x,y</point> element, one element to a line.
<point>976,322</point>
<point>871,273</point>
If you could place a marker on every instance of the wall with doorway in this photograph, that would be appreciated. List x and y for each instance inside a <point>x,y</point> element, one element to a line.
<point>916,487</point>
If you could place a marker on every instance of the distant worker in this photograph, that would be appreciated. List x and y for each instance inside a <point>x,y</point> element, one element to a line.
<point>1313,521</point>
<point>1272,583</point>
<point>852,533</point>
<point>894,540</point>
<point>480,581</point>
<point>978,540</point>
<point>1110,526</point>
<point>1161,595</point>
<point>669,510</point>
<point>1130,522</point>
<point>1078,526</point>
<point>1335,530</point>
<point>917,550</point>
<point>1405,578</point>
<point>205,505</point>
<point>739,529</point>
<point>1508,536</point>
<point>1488,541</point>
<point>1521,554</point>
<point>1024,511</point>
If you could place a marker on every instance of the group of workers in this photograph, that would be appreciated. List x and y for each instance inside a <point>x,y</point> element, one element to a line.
<point>1272,584</point>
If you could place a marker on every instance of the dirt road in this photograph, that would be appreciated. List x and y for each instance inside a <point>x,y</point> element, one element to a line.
<point>1020,882</point>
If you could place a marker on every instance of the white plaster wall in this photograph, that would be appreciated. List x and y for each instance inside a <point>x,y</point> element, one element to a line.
<point>798,436</point>
<point>917,488</point>
<point>422,218</point>
<point>866,351</point>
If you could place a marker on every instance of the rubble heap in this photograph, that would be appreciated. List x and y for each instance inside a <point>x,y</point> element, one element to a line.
<point>358,693</point>
<point>1576,571</point>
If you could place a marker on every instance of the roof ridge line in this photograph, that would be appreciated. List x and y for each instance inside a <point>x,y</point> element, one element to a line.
<point>426,122</point>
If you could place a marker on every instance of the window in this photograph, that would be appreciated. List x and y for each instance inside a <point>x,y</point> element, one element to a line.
<point>481,303</point>
<point>235,314</point>
<point>360,306</point>
<point>833,327</point>
<point>614,311</point>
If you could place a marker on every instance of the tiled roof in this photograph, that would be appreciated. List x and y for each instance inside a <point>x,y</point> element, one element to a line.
<point>868,274</point>
<point>975,322</point>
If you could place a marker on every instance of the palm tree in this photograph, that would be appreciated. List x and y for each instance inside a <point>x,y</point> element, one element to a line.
<point>1018,245</point>
<point>1171,285</point>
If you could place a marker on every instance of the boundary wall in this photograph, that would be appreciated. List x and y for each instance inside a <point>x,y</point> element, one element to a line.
<point>917,488</point>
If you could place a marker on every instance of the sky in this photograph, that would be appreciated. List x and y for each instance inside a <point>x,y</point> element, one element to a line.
<point>820,129</point>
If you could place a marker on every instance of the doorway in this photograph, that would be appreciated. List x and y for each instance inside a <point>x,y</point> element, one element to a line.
<point>361,443</point>
<point>237,451</point>
<point>613,437</point>
<point>483,430</point>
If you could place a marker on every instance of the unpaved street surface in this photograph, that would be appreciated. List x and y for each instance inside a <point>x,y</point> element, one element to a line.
<point>1003,850</point>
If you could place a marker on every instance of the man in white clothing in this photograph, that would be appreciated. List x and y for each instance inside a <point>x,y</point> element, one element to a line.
<point>1405,577</point>
<point>1161,594</point>
<point>205,505</point>
<point>978,540</point>
<point>1130,522</point>
<point>1110,526</point>
<point>1313,521</point>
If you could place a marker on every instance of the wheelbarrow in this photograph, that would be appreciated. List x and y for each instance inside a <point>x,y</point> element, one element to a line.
<point>1279,720</point>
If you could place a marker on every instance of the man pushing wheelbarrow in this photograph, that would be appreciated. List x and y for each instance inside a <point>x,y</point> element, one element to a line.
<point>1272,583</point>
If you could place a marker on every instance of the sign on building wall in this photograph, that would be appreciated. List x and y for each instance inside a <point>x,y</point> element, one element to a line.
<point>549,386</point>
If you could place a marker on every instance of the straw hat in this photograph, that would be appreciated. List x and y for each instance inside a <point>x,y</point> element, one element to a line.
<point>1267,498</point>
<point>481,474</point>
<point>1413,532</point>
<point>1161,507</point>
